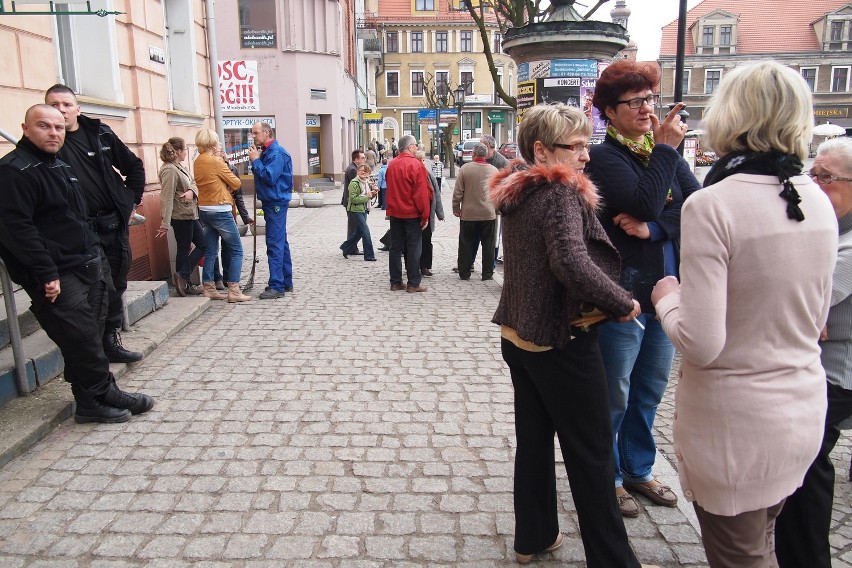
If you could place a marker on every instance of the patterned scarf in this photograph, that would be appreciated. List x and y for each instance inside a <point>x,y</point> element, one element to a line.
<point>773,163</point>
<point>641,150</point>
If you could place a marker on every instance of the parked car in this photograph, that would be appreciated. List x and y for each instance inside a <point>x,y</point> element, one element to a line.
<point>509,150</point>
<point>466,152</point>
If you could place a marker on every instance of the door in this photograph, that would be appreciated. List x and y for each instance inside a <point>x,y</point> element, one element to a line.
<point>314,153</point>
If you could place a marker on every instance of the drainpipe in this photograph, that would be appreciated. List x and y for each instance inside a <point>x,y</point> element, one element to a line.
<point>214,68</point>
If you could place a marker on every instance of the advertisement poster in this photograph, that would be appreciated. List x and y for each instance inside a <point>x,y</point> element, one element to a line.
<point>238,85</point>
<point>587,93</point>
<point>526,97</point>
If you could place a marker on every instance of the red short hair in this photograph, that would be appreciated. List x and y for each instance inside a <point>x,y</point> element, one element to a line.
<point>621,77</point>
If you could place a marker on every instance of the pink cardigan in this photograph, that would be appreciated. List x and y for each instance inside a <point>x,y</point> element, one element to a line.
<point>755,290</point>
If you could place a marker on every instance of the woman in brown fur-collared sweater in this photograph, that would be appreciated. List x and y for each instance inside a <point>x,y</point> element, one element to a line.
<point>560,273</point>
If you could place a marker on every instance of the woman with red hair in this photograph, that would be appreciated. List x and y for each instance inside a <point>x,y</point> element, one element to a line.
<point>643,181</point>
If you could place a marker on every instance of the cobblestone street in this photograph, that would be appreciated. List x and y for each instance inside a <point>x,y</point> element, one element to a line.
<point>343,426</point>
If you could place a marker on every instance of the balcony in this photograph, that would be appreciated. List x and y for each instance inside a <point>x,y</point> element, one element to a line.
<point>373,48</point>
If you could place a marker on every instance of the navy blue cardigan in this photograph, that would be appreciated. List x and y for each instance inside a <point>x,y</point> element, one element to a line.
<point>627,186</point>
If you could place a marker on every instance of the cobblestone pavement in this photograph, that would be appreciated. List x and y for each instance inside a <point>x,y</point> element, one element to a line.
<point>342,426</point>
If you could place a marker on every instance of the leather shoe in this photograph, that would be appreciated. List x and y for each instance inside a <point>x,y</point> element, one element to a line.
<point>384,249</point>
<point>397,287</point>
<point>627,504</point>
<point>527,558</point>
<point>425,272</point>
<point>658,494</point>
<point>357,253</point>
<point>418,288</point>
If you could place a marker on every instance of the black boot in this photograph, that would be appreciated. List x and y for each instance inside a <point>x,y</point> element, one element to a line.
<point>136,403</point>
<point>89,409</point>
<point>115,351</point>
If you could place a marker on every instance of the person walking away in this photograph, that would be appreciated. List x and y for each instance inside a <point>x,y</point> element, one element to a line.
<point>273,181</point>
<point>113,179</point>
<point>179,210</point>
<point>644,182</point>
<point>559,264</point>
<point>215,184</point>
<point>408,210</point>
<point>50,249</point>
<point>802,529</point>
<point>750,403</point>
<point>360,194</point>
<point>472,205</point>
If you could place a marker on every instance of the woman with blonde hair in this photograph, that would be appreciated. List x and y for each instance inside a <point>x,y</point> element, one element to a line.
<point>758,249</point>
<point>179,209</point>
<point>216,183</point>
<point>560,272</point>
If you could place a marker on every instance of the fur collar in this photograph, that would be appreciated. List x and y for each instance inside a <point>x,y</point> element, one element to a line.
<point>509,187</point>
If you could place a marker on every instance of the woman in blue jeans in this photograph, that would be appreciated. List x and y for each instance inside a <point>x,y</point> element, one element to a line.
<point>360,194</point>
<point>643,181</point>
<point>215,184</point>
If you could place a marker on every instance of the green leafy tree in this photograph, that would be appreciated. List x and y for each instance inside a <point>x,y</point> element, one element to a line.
<point>511,14</point>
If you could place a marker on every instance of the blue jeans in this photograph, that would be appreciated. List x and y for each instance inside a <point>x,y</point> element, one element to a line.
<point>362,231</point>
<point>278,248</point>
<point>637,365</point>
<point>221,224</point>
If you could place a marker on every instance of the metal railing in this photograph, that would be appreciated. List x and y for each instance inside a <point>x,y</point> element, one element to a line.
<point>14,331</point>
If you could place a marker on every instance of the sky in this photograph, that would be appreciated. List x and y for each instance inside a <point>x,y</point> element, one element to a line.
<point>647,17</point>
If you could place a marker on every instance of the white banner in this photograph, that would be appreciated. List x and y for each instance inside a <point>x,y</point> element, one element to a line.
<point>238,85</point>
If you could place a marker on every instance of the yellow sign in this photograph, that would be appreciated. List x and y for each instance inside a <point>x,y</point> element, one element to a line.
<point>372,116</point>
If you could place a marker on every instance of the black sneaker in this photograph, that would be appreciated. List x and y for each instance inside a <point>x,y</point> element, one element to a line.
<point>271,294</point>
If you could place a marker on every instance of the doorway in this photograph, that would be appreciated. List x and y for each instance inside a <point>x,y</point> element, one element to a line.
<point>314,153</point>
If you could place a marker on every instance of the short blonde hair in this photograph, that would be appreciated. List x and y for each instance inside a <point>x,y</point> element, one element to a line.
<point>547,124</point>
<point>206,139</point>
<point>761,107</point>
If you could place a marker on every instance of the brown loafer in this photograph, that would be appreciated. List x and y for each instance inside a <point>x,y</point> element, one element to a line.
<point>627,504</point>
<point>397,287</point>
<point>418,288</point>
<point>527,558</point>
<point>659,494</point>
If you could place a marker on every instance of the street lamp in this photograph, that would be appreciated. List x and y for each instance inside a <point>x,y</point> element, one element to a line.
<point>459,104</point>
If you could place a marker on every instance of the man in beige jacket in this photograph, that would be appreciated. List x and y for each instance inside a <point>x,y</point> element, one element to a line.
<point>478,220</point>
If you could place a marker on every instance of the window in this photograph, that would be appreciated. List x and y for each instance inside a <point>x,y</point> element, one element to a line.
<point>423,5</point>
<point>417,83</point>
<point>466,41</point>
<point>181,67</point>
<point>392,83</point>
<point>809,75</point>
<point>708,36</point>
<point>467,80</point>
<point>684,85</point>
<point>88,54</point>
<point>410,125</point>
<point>839,79</point>
<point>498,43</point>
<point>442,83</point>
<point>416,42</point>
<point>711,80</point>
<point>392,42</point>
<point>725,35</point>
<point>257,24</point>
<point>836,31</point>
<point>441,41</point>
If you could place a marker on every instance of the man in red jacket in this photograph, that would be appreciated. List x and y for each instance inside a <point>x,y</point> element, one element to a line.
<point>409,194</point>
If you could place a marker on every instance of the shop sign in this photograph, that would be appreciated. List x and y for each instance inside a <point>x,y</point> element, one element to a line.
<point>246,122</point>
<point>312,120</point>
<point>835,112</point>
<point>372,117</point>
<point>238,85</point>
<point>496,117</point>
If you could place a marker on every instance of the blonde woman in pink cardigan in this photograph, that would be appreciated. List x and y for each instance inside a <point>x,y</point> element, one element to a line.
<point>758,249</point>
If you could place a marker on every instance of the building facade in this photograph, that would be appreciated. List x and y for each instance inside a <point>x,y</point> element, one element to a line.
<point>144,72</point>
<point>814,38</point>
<point>434,46</point>
<point>302,56</point>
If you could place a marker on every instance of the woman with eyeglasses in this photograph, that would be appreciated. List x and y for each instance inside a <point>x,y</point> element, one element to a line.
<point>759,248</point>
<point>643,181</point>
<point>560,272</point>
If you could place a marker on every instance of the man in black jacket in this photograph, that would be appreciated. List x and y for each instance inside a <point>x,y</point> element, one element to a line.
<point>50,249</point>
<point>100,159</point>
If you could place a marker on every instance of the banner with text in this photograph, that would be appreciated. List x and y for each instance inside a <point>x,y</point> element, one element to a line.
<point>238,85</point>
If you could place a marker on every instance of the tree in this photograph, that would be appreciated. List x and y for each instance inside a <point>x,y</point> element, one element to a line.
<point>511,14</point>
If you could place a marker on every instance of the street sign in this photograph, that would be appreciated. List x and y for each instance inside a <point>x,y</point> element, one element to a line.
<point>496,117</point>
<point>372,117</point>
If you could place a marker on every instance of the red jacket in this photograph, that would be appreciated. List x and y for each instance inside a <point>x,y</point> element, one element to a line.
<point>409,191</point>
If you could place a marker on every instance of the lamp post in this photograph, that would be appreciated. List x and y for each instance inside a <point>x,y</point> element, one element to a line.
<point>459,94</point>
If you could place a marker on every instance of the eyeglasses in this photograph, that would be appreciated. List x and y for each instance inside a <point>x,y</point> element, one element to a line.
<point>650,100</point>
<point>578,147</point>
<point>826,178</point>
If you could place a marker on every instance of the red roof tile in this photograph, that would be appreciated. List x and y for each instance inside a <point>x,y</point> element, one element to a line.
<point>399,11</point>
<point>765,26</point>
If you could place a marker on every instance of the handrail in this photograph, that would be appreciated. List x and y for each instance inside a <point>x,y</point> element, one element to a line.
<point>14,331</point>
<point>8,136</point>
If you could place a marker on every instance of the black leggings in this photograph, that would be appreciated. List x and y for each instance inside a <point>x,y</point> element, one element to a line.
<point>188,231</point>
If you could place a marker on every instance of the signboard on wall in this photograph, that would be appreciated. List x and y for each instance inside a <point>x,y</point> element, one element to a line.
<point>238,86</point>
